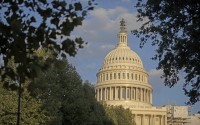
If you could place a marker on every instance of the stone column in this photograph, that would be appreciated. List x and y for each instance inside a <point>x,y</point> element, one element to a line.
<point>97,94</point>
<point>110,98</point>
<point>120,92</point>
<point>101,94</point>
<point>130,93</point>
<point>161,120</point>
<point>126,93</point>
<point>151,120</point>
<point>105,93</point>
<point>145,95</point>
<point>135,118</point>
<point>136,94</point>
<point>142,118</point>
<point>165,118</point>
<point>141,94</point>
<point>115,93</point>
<point>151,97</point>
<point>135,90</point>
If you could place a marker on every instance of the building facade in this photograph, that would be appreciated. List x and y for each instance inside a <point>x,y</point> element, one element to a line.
<point>179,115</point>
<point>122,80</point>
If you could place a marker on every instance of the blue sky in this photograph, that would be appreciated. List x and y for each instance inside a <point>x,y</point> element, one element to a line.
<point>100,30</point>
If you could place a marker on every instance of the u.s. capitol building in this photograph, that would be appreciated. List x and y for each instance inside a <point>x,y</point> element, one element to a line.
<point>122,80</point>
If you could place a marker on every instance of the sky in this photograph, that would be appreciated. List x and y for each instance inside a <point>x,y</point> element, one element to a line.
<point>100,30</point>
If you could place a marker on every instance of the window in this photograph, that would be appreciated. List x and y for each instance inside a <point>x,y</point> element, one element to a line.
<point>135,76</point>
<point>110,76</point>
<point>132,75</point>
<point>118,75</point>
<point>114,75</point>
<point>103,77</point>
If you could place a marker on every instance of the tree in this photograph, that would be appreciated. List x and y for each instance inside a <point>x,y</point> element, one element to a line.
<point>173,26</point>
<point>32,112</point>
<point>26,25</point>
<point>67,101</point>
<point>119,115</point>
<point>59,83</point>
<point>95,114</point>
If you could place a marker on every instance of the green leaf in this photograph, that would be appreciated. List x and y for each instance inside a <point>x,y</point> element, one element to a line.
<point>78,6</point>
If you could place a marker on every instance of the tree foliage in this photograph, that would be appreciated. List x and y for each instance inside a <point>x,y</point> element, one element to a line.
<point>26,25</point>
<point>173,26</point>
<point>67,101</point>
<point>32,112</point>
<point>119,115</point>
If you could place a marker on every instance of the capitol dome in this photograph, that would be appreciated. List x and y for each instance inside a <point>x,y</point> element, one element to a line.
<point>122,76</point>
<point>122,55</point>
<point>122,80</point>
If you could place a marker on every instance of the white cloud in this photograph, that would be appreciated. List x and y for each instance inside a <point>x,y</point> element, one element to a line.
<point>155,80</point>
<point>126,0</point>
<point>100,30</point>
<point>107,46</point>
<point>155,73</point>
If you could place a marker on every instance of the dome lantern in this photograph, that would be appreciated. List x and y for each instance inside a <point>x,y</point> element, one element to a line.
<point>122,34</point>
